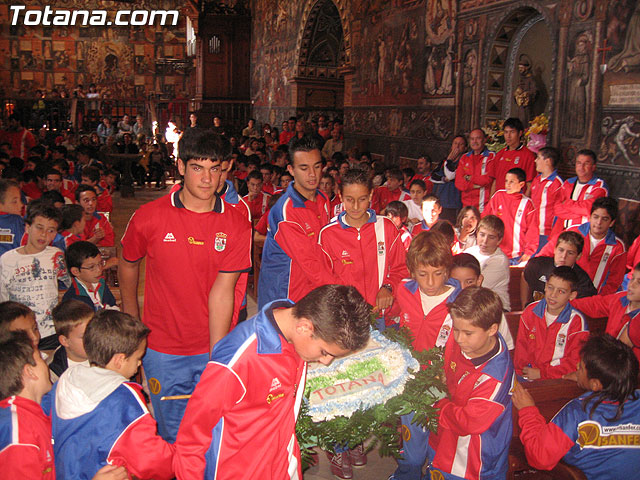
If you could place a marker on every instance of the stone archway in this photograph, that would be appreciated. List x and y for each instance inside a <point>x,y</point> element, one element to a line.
<point>322,52</point>
<point>500,61</point>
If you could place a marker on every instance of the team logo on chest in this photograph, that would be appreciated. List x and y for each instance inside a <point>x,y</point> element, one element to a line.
<point>346,258</point>
<point>380,248</point>
<point>169,237</point>
<point>220,242</point>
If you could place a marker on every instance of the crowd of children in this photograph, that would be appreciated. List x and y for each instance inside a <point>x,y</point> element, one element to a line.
<point>342,240</point>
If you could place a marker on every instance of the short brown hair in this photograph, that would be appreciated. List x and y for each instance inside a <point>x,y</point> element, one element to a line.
<point>16,351</point>
<point>429,248</point>
<point>111,332</point>
<point>493,223</point>
<point>479,305</point>
<point>9,311</point>
<point>573,238</point>
<point>68,314</point>
<point>339,315</point>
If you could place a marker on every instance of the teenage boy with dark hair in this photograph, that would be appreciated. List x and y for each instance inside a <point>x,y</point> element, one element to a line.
<point>97,229</point>
<point>70,317</point>
<point>477,411</point>
<point>546,191</point>
<point>16,316</point>
<point>30,274</point>
<point>256,199</point>
<point>604,256</point>
<point>391,190</point>
<point>292,261</point>
<point>431,210</point>
<point>229,429</point>
<point>85,265</point>
<point>91,176</point>
<point>98,417</point>
<point>515,154</point>
<point>53,183</point>
<point>566,252</point>
<point>551,330</point>
<point>398,213</point>
<point>73,223</point>
<point>196,247</point>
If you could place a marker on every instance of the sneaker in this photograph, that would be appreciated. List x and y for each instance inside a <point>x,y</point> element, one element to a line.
<point>357,456</point>
<point>340,465</point>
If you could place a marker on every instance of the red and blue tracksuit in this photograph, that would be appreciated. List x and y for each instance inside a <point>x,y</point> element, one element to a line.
<point>481,170</point>
<point>366,257</point>
<point>475,423</point>
<point>11,231</point>
<point>26,449</point>
<point>293,263</point>
<point>240,421</point>
<point>546,194</point>
<point>577,199</point>
<point>507,158</point>
<point>553,349</point>
<point>589,440</point>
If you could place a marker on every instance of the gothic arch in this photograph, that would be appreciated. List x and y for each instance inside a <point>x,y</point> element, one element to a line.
<point>306,64</point>
<point>498,58</point>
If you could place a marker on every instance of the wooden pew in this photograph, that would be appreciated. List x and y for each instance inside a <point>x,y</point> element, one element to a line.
<point>514,288</point>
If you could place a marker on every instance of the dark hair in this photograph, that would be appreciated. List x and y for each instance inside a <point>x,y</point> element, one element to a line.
<point>78,252</point>
<point>574,238</point>
<point>616,367</point>
<point>408,171</point>
<point>84,188</point>
<point>63,164</point>
<point>92,173</point>
<point>5,185</point>
<point>111,332</point>
<point>307,143</point>
<point>16,351</point>
<point>588,153</point>
<point>203,144</point>
<point>608,203</point>
<point>9,311</point>
<point>432,198</point>
<point>255,175</point>
<point>552,154</point>
<point>419,183</point>
<point>39,208</point>
<point>445,228</point>
<point>339,315</point>
<point>520,174</point>
<point>397,209</point>
<point>52,197</point>
<point>358,176</point>
<point>68,314</point>
<point>70,215</point>
<point>266,166</point>
<point>431,249</point>
<point>394,173</point>
<point>513,122</point>
<point>493,223</point>
<point>463,212</point>
<point>567,274</point>
<point>53,171</point>
<point>480,306</point>
<point>466,260</point>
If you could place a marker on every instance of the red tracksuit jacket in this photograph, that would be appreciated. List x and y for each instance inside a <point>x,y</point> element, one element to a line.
<point>366,258</point>
<point>481,168</point>
<point>555,349</point>
<point>546,194</point>
<point>520,222</point>
<point>507,159</point>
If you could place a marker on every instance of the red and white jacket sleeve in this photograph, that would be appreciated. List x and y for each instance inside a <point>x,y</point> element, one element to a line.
<point>217,392</point>
<point>477,415</point>
<point>616,269</point>
<point>544,443</point>
<point>23,461</point>
<point>522,356</point>
<point>578,208</point>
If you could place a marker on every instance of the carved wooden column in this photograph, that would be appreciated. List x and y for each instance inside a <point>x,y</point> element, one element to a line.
<point>595,92</point>
<point>564,19</point>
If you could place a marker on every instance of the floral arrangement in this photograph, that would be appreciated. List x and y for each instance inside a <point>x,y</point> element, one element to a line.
<point>351,419</point>
<point>536,135</point>
<point>495,135</point>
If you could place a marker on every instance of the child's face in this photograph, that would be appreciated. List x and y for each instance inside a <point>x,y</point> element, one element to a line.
<point>356,199</point>
<point>431,212</point>
<point>255,186</point>
<point>469,221</point>
<point>27,323</point>
<point>600,221</point>
<point>285,180</point>
<point>557,293</point>
<point>78,226</point>
<point>397,221</point>
<point>633,293</point>
<point>393,183</point>
<point>41,233</point>
<point>417,194</point>
<point>542,164</point>
<point>88,181</point>
<point>511,184</point>
<point>312,348</point>
<point>73,343</point>
<point>488,241</point>
<point>473,341</point>
<point>131,363</point>
<point>110,179</point>
<point>326,185</point>
<point>53,182</point>
<point>466,276</point>
<point>88,201</point>
<point>431,280</point>
<point>90,271</point>
<point>12,201</point>
<point>565,254</point>
<point>266,175</point>
<point>43,382</point>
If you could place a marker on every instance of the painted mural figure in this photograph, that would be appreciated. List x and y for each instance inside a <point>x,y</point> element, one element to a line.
<point>526,91</point>
<point>469,73</point>
<point>382,54</point>
<point>446,85</point>
<point>578,68</point>
<point>430,86</point>
<point>624,133</point>
<point>629,58</point>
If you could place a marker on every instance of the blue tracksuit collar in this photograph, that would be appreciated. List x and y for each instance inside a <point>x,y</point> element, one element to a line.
<point>176,202</point>
<point>624,301</point>
<point>485,153</point>
<point>341,222</point>
<point>565,314</point>
<point>592,181</point>
<point>267,331</point>
<point>299,200</point>
<point>230,194</point>
<point>413,287</point>
<point>609,239</point>
<point>552,176</point>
